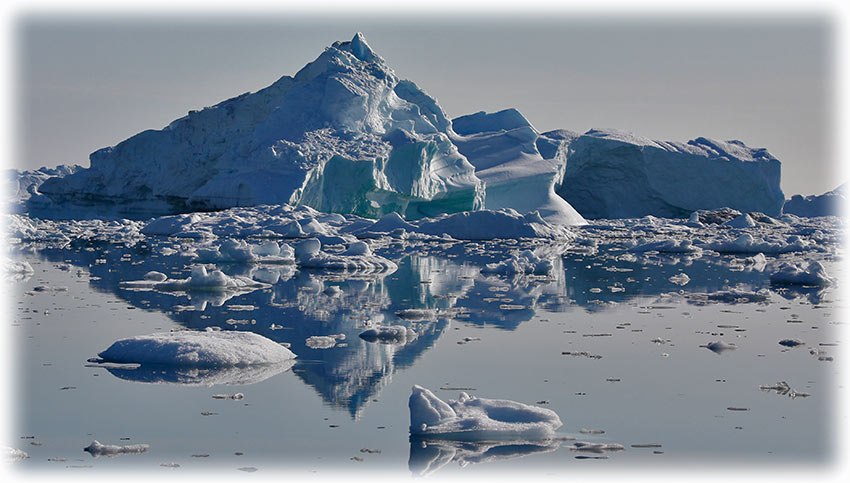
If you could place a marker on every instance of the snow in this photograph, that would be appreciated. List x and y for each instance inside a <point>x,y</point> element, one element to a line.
<point>343,135</point>
<point>830,203</point>
<point>615,174</point>
<point>197,349</point>
<point>110,450</point>
<point>503,148</point>
<point>794,274</point>
<point>477,419</point>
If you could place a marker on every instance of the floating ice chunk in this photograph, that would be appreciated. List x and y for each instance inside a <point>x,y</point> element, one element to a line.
<point>747,243</point>
<point>11,455</point>
<point>793,274</point>
<point>756,262</point>
<point>357,258</point>
<point>791,342</point>
<point>17,271</point>
<point>742,221</point>
<point>487,225</point>
<point>236,396</point>
<point>110,450</point>
<point>239,251</point>
<point>389,334</point>
<point>667,246</point>
<point>197,349</point>
<point>478,419</point>
<point>719,347</point>
<point>154,276</point>
<point>782,388</point>
<point>731,296</point>
<point>323,341</point>
<point>680,279</point>
<point>387,224</point>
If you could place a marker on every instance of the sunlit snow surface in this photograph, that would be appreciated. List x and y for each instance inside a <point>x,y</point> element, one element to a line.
<point>636,333</point>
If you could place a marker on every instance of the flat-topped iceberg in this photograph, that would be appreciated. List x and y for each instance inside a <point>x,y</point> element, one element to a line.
<point>197,349</point>
<point>343,135</point>
<point>830,203</point>
<point>615,174</point>
<point>471,418</point>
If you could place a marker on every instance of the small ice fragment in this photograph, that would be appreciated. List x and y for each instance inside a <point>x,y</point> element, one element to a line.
<point>417,314</point>
<point>791,342</point>
<point>680,279</point>
<point>154,276</point>
<point>591,431</point>
<point>237,396</point>
<point>323,341</point>
<point>110,450</point>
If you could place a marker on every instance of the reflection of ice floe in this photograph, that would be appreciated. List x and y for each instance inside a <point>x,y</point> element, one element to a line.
<point>526,262</point>
<point>389,334</point>
<point>588,447</point>
<point>200,376</point>
<point>719,347</point>
<point>428,456</point>
<point>793,274</point>
<point>110,450</point>
<point>477,419</point>
<point>730,296</point>
<point>756,263</point>
<point>199,280</point>
<point>197,349</point>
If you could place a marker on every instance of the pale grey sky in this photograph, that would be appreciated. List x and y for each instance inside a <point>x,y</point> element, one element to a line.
<point>91,82</point>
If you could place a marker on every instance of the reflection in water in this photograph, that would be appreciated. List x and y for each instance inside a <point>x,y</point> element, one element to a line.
<point>428,456</point>
<point>194,376</point>
<point>302,303</point>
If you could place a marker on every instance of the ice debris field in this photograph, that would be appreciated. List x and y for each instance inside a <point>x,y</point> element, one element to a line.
<point>325,244</point>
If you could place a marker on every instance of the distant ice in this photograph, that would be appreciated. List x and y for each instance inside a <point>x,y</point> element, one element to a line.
<point>794,274</point>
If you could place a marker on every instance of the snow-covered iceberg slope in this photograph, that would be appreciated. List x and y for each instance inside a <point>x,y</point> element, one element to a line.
<point>830,203</point>
<point>343,135</point>
<point>477,419</point>
<point>20,185</point>
<point>615,174</point>
<point>503,147</point>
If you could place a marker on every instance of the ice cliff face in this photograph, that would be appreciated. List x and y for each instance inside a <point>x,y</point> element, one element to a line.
<point>20,185</point>
<point>343,135</point>
<point>613,174</point>
<point>508,155</point>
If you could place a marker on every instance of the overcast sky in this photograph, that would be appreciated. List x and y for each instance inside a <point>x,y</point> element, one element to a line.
<point>91,82</point>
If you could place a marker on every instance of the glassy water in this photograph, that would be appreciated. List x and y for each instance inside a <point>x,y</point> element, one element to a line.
<point>608,342</point>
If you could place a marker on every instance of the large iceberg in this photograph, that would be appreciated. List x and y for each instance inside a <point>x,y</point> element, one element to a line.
<point>503,147</point>
<point>615,174</point>
<point>343,135</point>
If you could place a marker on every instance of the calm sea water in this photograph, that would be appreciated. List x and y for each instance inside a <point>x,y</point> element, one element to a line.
<point>596,342</point>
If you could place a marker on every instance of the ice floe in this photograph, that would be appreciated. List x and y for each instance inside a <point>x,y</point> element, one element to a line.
<point>199,280</point>
<point>470,418</point>
<point>110,450</point>
<point>389,334</point>
<point>197,349</point>
<point>793,274</point>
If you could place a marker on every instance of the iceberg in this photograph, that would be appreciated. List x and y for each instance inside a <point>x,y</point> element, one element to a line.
<point>503,147</point>
<point>477,419</point>
<point>197,349</point>
<point>830,203</point>
<point>615,174</point>
<point>343,135</point>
